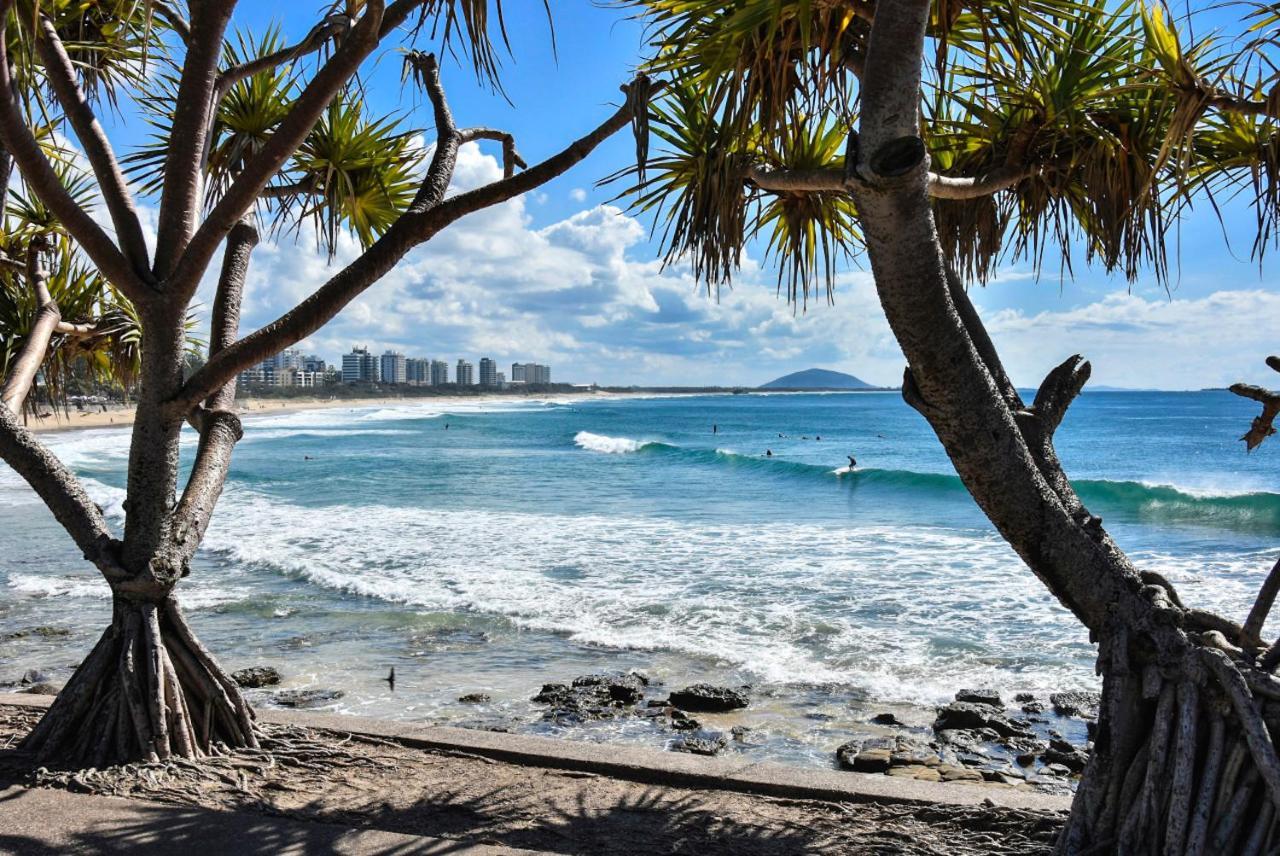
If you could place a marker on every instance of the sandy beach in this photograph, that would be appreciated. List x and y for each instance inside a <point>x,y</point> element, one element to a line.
<point>121,416</point>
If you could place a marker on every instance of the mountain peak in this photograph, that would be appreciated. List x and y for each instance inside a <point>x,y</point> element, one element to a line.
<point>817,379</point>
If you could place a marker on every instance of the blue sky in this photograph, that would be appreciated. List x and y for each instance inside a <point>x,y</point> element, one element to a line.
<point>565,276</point>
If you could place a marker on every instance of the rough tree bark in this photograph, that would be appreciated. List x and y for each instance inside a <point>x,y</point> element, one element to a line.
<point>1183,758</point>
<point>149,689</point>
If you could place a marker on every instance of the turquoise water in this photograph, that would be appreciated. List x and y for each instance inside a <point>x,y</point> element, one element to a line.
<point>533,542</point>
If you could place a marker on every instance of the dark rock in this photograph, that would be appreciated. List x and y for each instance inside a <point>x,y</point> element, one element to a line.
<point>1024,697</point>
<point>818,717</point>
<point>1026,759</point>
<point>705,698</point>
<point>1080,704</point>
<point>43,688</point>
<point>682,721</point>
<point>474,698</point>
<point>45,631</point>
<point>624,689</point>
<point>1033,707</point>
<point>986,695</point>
<point>1063,753</point>
<point>1054,770</point>
<point>710,745</point>
<point>306,698</point>
<point>656,702</point>
<point>34,676</point>
<point>871,761</point>
<point>740,732</point>
<point>886,719</point>
<point>968,715</point>
<point>256,676</point>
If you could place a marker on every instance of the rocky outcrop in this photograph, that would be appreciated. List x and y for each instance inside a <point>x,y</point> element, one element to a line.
<point>706,698</point>
<point>1079,704</point>
<point>306,698</point>
<point>256,677</point>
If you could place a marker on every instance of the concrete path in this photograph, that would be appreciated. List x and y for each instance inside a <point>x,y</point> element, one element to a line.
<point>38,822</point>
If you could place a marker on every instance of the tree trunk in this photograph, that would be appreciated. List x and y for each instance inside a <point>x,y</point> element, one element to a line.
<point>1183,760</point>
<point>148,690</point>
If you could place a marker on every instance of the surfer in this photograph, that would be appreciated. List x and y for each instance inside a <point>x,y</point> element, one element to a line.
<point>852,462</point>
<point>715,429</point>
<point>768,453</point>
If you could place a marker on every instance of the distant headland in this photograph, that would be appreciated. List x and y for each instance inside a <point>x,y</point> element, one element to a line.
<point>817,379</point>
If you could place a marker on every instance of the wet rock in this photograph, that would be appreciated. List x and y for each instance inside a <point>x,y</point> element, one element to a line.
<point>968,715</point>
<point>306,698</point>
<point>870,761</point>
<point>958,774</point>
<point>705,698</point>
<point>1060,752</point>
<point>590,697</point>
<point>1003,777</point>
<point>709,745</point>
<point>1033,707</point>
<point>474,698</point>
<point>34,676</point>
<point>1054,770</point>
<point>1026,759</point>
<point>986,695</point>
<point>43,688</point>
<point>886,719</point>
<point>43,631</point>
<point>740,732</point>
<point>682,721</point>
<point>1080,704</point>
<point>624,689</point>
<point>1024,697</point>
<point>256,676</point>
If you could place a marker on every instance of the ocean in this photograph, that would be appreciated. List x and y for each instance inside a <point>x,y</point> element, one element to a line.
<point>503,544</point>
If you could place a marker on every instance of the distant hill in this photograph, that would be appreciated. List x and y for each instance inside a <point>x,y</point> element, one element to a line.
<point>817,379</point>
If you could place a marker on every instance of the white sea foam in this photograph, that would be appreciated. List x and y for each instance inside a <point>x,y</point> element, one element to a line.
<point>790,603</point>
<point>607,445</point>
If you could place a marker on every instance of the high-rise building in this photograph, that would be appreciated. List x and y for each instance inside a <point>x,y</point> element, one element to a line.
<point>360,366</point>
<point>439,372</point>
<point>530,373</point>
<point>417,371</point>
<point>465,374</point>
<point>314,364</point>
<point>488,372</point>
<point>393,367</point>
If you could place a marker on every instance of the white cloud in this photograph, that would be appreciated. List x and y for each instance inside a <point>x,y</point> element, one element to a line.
<point>586,295</point>
<point>1132,341</point>
<point>578,194</point>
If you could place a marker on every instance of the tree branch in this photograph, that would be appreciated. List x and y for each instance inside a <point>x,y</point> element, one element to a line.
<point>183,182</point>
<point>31,357</point>
<point>443,159</point>
<point>61,492</point>
<point>1262,426</point>
<point>1251,636</point>
<point>43,180</point>
<point>175,21</point>
<point>218,426</point>
<point>510,157</point>
<point>413,228</point>
<point>330,28</point>
<point>283,142</point>
<point>111,182</point>
<point>835,181</point>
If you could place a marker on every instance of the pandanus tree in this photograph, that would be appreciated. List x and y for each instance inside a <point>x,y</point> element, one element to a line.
<point>943,139</point>
<point>249,130</point>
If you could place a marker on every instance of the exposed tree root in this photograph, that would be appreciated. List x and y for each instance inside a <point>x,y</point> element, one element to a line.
<point>1185,759</point>
<point>149,690</point>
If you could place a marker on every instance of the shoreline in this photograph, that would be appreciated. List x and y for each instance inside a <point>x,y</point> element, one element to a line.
<point>543,796</point>
<point>122,417</point>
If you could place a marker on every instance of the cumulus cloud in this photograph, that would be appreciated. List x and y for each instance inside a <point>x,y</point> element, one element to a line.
<point>586,295</point>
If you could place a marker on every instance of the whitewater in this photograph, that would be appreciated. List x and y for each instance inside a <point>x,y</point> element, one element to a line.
<point>531,542</point>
